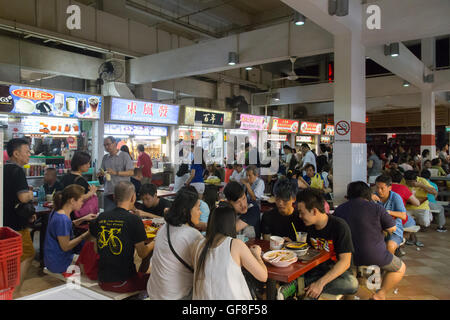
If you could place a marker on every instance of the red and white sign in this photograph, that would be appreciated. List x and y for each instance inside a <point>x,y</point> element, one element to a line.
<point>32,94</point>
<point>311,128</point>
<point>284,125</point>
<point>329,130</point>
<point>325,139</point>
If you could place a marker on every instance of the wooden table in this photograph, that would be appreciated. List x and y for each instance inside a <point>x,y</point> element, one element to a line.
<point>289,273</point>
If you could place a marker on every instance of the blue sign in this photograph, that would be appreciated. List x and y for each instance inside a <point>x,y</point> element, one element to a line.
<point>141,111</point>
<point>46,102</point>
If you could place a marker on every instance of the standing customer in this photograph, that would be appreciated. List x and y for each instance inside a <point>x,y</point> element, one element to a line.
<point>374,165</point>
<point>221,253</point>
<point>145,163</point>
<point>172,274</point>
<point>15,191</point>
<point>198,166</point>
<point>118,167</point>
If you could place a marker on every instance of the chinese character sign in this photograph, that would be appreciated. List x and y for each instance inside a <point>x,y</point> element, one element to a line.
<point>211,118</point>
<point>140,111</point>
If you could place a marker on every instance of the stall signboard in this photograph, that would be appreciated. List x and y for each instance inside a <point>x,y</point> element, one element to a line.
<point>209,118</point>
<point>46,102</point>
<point>310,128</point>
<point>50,126</point>
<point>329,130</point>
<point>284,125</point>
<point>251,122</point>
<point>325,139</point>
<point>134,130</point>
<point>306,139</point>
<point>141,111</point>
<point>275,137</point>
<point>73,143</point>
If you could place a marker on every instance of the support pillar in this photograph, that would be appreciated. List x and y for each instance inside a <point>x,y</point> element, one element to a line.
<point>350,149</point>
<point>428,106</point>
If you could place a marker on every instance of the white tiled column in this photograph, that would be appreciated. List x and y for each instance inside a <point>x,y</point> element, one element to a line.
<point>428,107</point>
<point>350,150</point>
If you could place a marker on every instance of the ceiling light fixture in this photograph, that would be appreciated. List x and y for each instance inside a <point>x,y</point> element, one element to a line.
<point>233,58</point>
<point>392,50</point>
<point>406,83</point>
<point>276,96</point>
<point>299,19</point>
<point>249,68</point>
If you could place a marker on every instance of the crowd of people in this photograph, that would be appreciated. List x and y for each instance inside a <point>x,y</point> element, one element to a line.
<point>200,239</point>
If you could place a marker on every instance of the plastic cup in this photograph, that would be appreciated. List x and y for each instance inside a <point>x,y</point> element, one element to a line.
<point>276,243</point>
<point>302,236</point>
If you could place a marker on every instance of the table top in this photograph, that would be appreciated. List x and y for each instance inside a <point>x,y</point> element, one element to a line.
<point>42,210</point>
<point>65,292</point>
<point>165,193</point>
<point>443,178</point>
<point>293,271</point>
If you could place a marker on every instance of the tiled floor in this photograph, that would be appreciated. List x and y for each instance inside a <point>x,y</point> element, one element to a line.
<point>427,274</point>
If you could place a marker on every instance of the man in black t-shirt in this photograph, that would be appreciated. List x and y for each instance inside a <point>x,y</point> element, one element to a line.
<point>151,206</point>
<point>118,234</point>
<point>15,191</point>
<point>248,213</point>
<point>331,234</point>
<point>51,183</point>
<point>278,222</point>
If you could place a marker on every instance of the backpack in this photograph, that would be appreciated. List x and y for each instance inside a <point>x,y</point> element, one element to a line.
<point>317,181</point>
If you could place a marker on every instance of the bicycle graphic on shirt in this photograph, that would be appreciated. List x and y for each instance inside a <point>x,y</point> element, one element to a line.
<point>115,245</point>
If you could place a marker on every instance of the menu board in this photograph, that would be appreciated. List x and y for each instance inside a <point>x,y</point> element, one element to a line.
<point>307,139</point>
<point>46,102</point>
<point>142,111</point>
<point>51,126</point>
<point>284,125</point>
<point>325,139</point>
<point>251,122</point>
<point>329,130</point>
<point>133,130</point>
<point>279,137</point>
<point>211,118</point>
<point>310,128</point>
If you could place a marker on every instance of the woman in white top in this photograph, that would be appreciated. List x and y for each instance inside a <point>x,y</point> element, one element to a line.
<point>172,277</point>
<point>181,177</point>
<point>219,257</point>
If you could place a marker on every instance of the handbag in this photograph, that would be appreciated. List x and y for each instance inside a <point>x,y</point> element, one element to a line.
<point>175,254</point>
<point>89,206</point>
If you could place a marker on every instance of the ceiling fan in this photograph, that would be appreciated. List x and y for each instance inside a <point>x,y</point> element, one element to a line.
<point>292,76</point>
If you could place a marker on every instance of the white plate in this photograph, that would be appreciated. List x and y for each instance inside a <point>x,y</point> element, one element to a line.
<point>25,106</point>
<point>284,263</point>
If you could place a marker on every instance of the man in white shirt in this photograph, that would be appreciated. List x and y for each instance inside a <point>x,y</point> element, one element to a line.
<point>238,173</point>
<point>308,157</point>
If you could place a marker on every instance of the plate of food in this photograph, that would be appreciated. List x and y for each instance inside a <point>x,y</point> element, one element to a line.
<point>280,258</point>
<point>299,248</point>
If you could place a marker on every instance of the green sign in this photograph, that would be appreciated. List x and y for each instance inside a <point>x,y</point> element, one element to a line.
<point>447,129</point>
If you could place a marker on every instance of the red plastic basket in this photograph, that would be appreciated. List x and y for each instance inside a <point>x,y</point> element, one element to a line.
<point>10,252</point>
<point>6,294</point>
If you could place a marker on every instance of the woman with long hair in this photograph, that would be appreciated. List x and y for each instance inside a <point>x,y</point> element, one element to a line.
<point>220,253</point>
<point>125,149</point>
<point>172,275</point>
<point>60,243</point>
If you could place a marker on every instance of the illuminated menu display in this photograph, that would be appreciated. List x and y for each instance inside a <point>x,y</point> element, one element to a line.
<point>251,122</point>
<point>311,128</point>
<point>329,130</point>
<point>284,125</point>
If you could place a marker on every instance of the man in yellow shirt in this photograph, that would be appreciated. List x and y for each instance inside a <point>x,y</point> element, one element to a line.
<point>420,187</point>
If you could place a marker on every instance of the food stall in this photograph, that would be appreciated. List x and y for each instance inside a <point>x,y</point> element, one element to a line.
<point>312,130</point>
<point>249,129</point>
<point>57,123</point>
<point>285,126</point>
<point>206,128</point>
<point>328,134</point>
<point>135,122</point>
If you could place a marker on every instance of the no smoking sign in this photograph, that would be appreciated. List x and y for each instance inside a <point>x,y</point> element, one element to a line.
<point>342,129</point>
